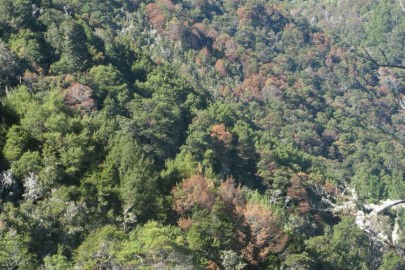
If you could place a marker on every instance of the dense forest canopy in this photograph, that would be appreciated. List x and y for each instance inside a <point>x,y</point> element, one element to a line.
<point>202,134</point>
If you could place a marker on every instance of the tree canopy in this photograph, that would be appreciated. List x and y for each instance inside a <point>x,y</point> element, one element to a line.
<point>183,134</point>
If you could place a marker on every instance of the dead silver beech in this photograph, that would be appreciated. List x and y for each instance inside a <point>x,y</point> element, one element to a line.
<point>79,97</point>
<point>33,188</point>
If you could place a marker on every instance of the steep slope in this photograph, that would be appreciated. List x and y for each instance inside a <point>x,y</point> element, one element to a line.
<point>200,134</point>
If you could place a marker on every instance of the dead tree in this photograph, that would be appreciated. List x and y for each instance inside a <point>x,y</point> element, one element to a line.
<point>395,85</point>
<point>402,5</point>
<point>386,63</point>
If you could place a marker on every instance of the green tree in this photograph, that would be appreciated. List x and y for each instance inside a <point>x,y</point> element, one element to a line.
<point>99,250</point>
<point>14,252</point>
<point>391,261</point>
<point>9,68</point>
<point>56,262</point>
<point>138,181</point>
<point>14,15</point>
<point>211,232</point>
<point>17,142</point>
<point>343,248</point>
<point>154,244</point>
<point>157,124</point>
<point>29,46</point>
<point>109,82</point>
<point>69,40</point>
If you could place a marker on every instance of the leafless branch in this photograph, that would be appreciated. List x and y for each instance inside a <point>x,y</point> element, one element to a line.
<point>402,5</point>
<point>387,205</point>
<point>369,58</point>
<point>385,57</point>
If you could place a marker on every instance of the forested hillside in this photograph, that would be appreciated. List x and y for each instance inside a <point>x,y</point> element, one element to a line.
<point>202,134</point>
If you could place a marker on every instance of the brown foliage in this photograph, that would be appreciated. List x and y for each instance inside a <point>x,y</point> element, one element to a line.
<point>212,33</point>
<point>232,197</point>
<point>220,41</point>
<point>175,30</point>
<point>297,192</point>
<point>219,131</point>
<point>159,12</point>
<point>321,41</point>
<point>259,230</point>
<point>185,223</point>
<point>220,67</point>
<point>195,191</point>
<point>332,189</point>
<point>231,50</point>
<point>155,17</point>
<point>226,91</point>
<point>243,14</point>
<point>167,5</point>
<point>251,12</point>
<point>202,58</point>
<point>221,140</point>
<point>29,77</point>
<point>212,265</point>
<point>265,236</point>
<point>79,97</point>
<point>252,87</point>
<point>199,29</point>
<point>330,135</point>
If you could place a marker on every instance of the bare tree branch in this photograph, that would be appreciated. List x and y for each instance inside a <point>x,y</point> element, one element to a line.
<point>380,208</point>
<point>369,58</point>
<point>402,5</point>
<point>385,57</point>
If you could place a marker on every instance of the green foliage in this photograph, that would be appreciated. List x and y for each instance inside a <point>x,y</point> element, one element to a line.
<point>29,162</point>
<point>209,238</point>
<point>109,83</point>
<point>14,252</point>
<point>99,249</point>
<point>68,39</point>
<point>231,260</point>
<point>28,45</point>
<point>343,248</point>
<point>299,261</point>
<point>17,142</point>
<point>391,261</point>
<point>14,15</point>
<point>243,122</point>
<point>9,68</point>
<point>57,261</point>
<point>154,244</point>
<point>138,181</point>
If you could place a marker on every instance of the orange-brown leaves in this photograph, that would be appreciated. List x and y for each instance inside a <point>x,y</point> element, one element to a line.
<point>332,189</point>
<point>195,191</point>
<point>222,140</point>
<point>185,223</point>
<point>258,230</point>
<point>155,17</point>
<point>232,197</point>
<point>158,13</point>
<point>79,97</point>
<point>321,41</point>
<point>30,77</point>
<point>266,234</point>
<point>220,67</point>
<point>219,131</point>
<point>175,30</point>
<point>298,194</point>
<point>212,265</point>
<point>252,87</point>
